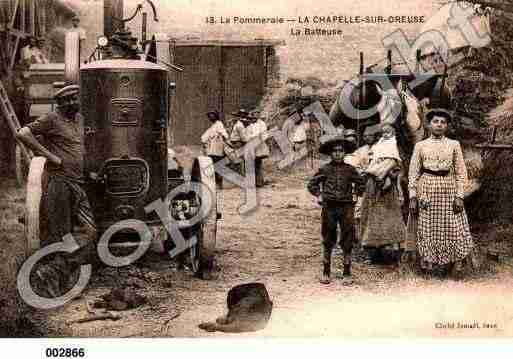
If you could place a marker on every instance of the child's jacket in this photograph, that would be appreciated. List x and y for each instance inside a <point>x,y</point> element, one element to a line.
<point>336,181</point>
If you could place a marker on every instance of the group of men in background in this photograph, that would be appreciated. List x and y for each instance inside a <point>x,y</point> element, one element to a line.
<point>244,145</point>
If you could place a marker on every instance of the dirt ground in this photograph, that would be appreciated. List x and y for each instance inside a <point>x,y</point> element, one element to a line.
<point>279,245</point>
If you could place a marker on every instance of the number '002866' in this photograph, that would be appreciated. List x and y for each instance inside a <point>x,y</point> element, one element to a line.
<point>65,352</point>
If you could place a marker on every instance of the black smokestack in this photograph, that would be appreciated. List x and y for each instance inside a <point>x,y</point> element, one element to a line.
<point>112,10</point>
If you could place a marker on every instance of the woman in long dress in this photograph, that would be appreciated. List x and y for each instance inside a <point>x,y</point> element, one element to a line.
<point>436,178</point>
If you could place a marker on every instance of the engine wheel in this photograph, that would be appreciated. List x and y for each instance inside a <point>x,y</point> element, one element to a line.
<point>202,254</point>
<point>34,206</point>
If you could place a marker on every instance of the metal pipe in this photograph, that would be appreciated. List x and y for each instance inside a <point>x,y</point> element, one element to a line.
<point>144,28</point>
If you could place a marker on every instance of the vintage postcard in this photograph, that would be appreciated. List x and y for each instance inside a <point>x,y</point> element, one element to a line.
<point>243,169</point>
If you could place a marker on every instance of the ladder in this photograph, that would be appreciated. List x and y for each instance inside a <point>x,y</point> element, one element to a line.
<point>12,121</point>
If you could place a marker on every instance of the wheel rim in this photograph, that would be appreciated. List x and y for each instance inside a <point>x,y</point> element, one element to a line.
<point>33,204</point>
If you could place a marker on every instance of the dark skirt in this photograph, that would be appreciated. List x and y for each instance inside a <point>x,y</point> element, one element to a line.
<point>381,219</point>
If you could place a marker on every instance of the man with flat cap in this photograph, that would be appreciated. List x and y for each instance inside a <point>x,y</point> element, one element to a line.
<point>62,133</point>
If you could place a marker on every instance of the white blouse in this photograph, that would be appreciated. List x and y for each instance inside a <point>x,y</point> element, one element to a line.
<point>435,154</point>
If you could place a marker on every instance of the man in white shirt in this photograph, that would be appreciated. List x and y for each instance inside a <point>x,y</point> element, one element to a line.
<point>237,138</point>
<point>296,129</point>
<point>248,128</point>
<point>213,140</point>
<point>255,131</point>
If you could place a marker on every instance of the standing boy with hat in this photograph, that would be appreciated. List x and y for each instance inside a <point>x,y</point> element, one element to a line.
<point>62,131</point>
<point>334,182</point>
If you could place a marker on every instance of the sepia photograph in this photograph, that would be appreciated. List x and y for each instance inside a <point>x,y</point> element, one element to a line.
<point>239,169</point>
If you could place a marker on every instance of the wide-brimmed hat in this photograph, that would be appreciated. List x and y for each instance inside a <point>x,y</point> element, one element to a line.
<point>438,112</point>
<point>214,114</point>
<point>327,145</point>
<point>243,113</point>
<point>66,91</point>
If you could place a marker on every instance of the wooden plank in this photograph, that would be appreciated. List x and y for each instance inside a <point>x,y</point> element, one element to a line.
<point>22,15</point>
<point>222,76</point>
<point>4,55</point>
<point>32,17</point>
<point>13,53</point>
<point>14,13</point>
<point>12,120</point>
<point>42,20</point>
<point>18,33</point>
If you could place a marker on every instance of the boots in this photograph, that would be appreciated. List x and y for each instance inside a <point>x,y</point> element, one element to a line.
<point>326,266</point>
<point>457,270</point>
<point>325,274</point>
<point>347,278</point>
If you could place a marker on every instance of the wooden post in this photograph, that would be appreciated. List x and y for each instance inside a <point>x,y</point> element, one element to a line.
<point>361,96</point>
<point>32,17</point>
<point>22,15</point>
<point>222,75</point>
<point>14,13</point>
<point>14,49</point>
